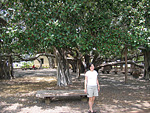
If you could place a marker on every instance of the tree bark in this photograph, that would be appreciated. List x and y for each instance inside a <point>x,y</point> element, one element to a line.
<point>73,64</point>
<point>87,61</point>
<point>5,72</point>
<point>40,62</point>
<point>51,62</point>
<point>126,65</point>
<point>11,67</point>
<point>78,68</point>
<point>63,76</point>
<point>146,64</point>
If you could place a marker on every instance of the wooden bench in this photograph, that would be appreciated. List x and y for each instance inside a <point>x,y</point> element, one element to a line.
<point>49,94</point>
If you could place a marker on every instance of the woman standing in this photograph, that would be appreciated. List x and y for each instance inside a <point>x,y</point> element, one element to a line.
<point>91,86</point>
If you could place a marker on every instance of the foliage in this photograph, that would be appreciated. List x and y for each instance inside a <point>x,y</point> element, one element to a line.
<point>27,65</point>
<point>87,25</point>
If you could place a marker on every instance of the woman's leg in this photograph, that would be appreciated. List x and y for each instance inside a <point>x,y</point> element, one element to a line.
<point>93,99</point>
<point>91,102</point>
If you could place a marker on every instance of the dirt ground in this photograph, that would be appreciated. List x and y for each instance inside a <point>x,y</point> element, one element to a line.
<point>18,95</point>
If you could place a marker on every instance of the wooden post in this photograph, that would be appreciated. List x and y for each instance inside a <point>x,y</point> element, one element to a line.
<point>84,98</point>
<point>47,100</point>
<point>78,68</point>
<point>126,65</point>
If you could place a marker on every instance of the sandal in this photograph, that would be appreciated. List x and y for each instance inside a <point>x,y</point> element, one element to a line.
<point>89,111</point>
<point>93,112</point>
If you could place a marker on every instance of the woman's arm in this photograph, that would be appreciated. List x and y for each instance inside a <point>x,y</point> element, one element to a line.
<point>85,84</point>
<point>98,85</point>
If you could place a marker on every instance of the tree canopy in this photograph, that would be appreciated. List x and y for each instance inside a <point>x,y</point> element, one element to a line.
<point>105,26</point>
<point>87,29</point>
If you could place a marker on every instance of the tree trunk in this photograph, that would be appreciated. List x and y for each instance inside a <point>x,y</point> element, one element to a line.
<point>51,62</point>
<point>78,68</point>
<point>4,69</point>
<point>87,61</point>
<point>11,67</point>
<point>63,76</point>
<point>126,65</point>
<point>40,63</point>
<point>146,64</point>
<point>121,65</point>
<point>73,64</point>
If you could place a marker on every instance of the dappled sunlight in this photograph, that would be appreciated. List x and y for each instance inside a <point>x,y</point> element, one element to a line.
<point>146,104</point>
<point>104,85</point>
<point>20,108</point>
<point>56,109</point>
<point>136,87</point>
<point>13,107</point>
<point>116,96</point>
<point>26,84</point>
<point>105,108</point>
<point>123,106</point>
<point>35,109</point>
<point>39,79</point>
<point>115,101</point>
<point>47,79</point>
<point>139,104</point>
<point>18,95</point>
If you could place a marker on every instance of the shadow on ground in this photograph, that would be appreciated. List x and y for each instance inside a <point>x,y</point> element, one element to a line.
<point>18,95</point>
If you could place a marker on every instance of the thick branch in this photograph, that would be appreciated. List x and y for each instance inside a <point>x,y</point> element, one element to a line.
<point>117,63</point>
<point>27,59</point>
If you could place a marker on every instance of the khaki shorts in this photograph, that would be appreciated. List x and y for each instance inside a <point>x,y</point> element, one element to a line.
<point>92,91</point>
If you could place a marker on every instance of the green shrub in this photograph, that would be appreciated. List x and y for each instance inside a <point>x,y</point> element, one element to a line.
<point>27,65</point>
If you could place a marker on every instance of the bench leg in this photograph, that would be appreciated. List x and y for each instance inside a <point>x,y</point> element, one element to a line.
<point>47,100</point>
<point>84,98</point>
<point>40,100</point>
<point>107,72</point>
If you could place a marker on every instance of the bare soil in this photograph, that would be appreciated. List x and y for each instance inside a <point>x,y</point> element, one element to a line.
<point>18,95</point>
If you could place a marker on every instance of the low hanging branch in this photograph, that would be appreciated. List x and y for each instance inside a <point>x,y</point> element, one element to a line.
<point>27,59</point>
<point>117,63</point>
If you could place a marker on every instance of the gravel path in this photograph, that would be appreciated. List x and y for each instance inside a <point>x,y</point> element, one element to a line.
<point>18,95</point>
